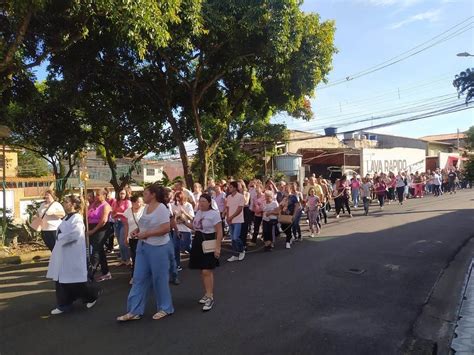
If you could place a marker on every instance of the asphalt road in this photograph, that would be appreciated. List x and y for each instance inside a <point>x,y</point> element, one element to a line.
<point>357,289</point>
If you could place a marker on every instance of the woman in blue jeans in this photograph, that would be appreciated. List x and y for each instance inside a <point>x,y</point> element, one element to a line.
<point>152,261</point>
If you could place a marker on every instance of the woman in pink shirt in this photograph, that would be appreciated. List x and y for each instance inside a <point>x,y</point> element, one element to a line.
<point>257,208</point>
<point>119,206</point>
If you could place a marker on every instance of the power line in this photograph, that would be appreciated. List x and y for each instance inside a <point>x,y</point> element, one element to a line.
<point>407,54</point>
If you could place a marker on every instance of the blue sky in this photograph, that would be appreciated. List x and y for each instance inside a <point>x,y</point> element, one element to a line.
<point>371,31</point>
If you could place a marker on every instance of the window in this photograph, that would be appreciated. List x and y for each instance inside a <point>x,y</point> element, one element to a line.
<point>150,172</point>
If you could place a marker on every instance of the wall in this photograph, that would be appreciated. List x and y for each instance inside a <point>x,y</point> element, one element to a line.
<point>444,157</point>
<point>435,148</point>
<point>393,159</point>
<point>12,163</point>
<point>301,140</point>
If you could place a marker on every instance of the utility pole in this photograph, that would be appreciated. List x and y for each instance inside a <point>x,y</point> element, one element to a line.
<point>458,138</point>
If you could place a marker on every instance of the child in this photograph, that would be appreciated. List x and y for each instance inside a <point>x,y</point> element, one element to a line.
<point>312,209</point>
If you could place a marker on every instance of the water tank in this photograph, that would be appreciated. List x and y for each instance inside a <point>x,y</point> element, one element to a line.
<point>330,131</point>
<point>289,164</point>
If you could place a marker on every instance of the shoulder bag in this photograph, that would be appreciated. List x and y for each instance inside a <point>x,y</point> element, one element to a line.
<point>37,221</point>
<point>208,246</point>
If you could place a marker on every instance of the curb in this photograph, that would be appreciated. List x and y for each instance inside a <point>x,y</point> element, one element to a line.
<point>25,258</point>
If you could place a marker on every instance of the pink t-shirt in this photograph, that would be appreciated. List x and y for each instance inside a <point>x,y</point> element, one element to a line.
<point>120,206</point>
<point>355,184</point>
<point>232,203</point>
<point>257,205</point>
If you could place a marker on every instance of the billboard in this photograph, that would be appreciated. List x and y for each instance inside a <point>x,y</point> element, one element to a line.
<point>374,160</point>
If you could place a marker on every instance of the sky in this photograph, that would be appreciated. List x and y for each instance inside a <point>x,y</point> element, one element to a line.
<point>368,33</point>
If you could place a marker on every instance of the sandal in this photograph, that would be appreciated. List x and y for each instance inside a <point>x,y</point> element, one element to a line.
<point>128,317</point>
<point>160,314</point>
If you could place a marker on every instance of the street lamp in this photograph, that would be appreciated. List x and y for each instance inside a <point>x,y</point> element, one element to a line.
<point>465,54</point>
<point>4,134</point>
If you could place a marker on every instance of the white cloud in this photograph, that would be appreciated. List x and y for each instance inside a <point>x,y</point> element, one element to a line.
<point>431,16</point>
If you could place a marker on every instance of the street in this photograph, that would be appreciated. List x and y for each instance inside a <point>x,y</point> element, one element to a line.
<point>357,289</point>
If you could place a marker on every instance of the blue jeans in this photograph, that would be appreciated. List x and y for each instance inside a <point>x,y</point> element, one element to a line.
<point>151,270</point>
<point>234,231</point>
<point>366,204</point>
<point>355,197</point>
<point>296,224</point>
<point>119,231</point>
<point>185,241</point>
<point>175,256</point>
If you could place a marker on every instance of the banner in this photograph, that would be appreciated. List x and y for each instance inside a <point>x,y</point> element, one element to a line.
<point>375,160</point>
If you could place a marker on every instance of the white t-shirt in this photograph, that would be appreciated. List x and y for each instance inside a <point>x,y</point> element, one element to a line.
<point>233,203</point>
<point>205,221</point>
<point>188,208</point>
<point>53,217</point>
<point>269,207</point>
<point>189,195</point>
<point>129,215</point>
<point>153,220</point>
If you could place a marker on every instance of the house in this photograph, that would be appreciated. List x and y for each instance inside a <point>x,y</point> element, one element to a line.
<point>455,139</point>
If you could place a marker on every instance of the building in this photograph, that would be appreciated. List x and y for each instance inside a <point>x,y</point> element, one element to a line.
<point>455,139</point>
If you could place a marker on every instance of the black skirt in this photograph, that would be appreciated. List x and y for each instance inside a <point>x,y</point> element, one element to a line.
<point>197,259</point>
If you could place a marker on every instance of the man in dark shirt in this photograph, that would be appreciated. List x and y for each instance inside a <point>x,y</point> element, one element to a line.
<point>452,181</point>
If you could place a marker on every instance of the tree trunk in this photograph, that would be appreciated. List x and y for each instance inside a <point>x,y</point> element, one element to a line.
<point>204,171</point>
<point>182,150</point>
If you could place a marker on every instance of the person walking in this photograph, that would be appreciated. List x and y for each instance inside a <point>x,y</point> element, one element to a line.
<point>380,190</point>
<point>296,228</point>
<point>366,194</point>
<point>257,207</point>
<point>452,176</point>
<point>400,187</point>
<point>270,212</point>
<point>248,215</point>
<point>152,260</point>
<point>119,206</point>
<point>355,188</point>
<point>98,216</point>
<point>183,211</point>
<point>289,205</point>
<point>341,195</point>
<point>207,226</point>
<point>132,216</point>
<point>313,204</point>
<point>51,212</point>
<point>68,263</point>
<point>235,203</point>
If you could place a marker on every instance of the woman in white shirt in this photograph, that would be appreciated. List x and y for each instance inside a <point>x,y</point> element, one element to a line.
<point>132,216</point>
<point>51,212</point>
<point>68,262</point>
<point>152,263</point>
<point>270,211</point>
<point>183,211</point>
<point>208,226</point>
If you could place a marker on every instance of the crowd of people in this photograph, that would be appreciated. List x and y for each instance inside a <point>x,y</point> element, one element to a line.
<point>156,228</point>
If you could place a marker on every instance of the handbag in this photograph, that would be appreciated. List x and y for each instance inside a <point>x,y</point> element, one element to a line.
<point>208,246</point>
<point>37,221</point>
<point>285,218</point>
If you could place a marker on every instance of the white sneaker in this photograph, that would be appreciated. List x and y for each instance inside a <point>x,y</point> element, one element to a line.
<point>91,304</point>
<point>241,256</point>
<point>312,235</point>
<point>56,311</point>
<point>288,246</point>
<point>233,258</point>
<point>292,240</point>
<point>337,216</point>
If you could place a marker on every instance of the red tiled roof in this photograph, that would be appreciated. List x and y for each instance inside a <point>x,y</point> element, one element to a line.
<point>444,137</point>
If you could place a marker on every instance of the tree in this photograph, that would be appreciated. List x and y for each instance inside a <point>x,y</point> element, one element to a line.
<point>31,165</point>
<point>43,123</point>
<point>253,58</point>
<point>36,30</point>
<point>464,84</point>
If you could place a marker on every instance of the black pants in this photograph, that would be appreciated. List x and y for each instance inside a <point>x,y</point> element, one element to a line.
<point>245,226</point>
<point>110,235</point>
<point>98,256</point>
<point>436,190</point>
<point>49,238</point>
<point>287,230</point>
<point>381,199</point>
<point>133,251</point>
<point>340,203</point>
<point>270,230</point>
<point>257,221</point>
<point>400,193</point>
<point>66,294</point>
<point>323,212</point>
<point>391,194</point>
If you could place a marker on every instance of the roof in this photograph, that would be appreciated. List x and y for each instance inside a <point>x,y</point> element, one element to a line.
<point>444,137</point>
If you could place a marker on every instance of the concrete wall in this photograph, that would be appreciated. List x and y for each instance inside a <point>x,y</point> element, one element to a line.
<point>11,163</point>
<point>392,159</point>
<point>299,140</point>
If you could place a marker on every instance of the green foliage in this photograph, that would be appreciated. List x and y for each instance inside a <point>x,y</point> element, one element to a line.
<point>31,165</point>
<point>165,181</point>
<point>464,84</point>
